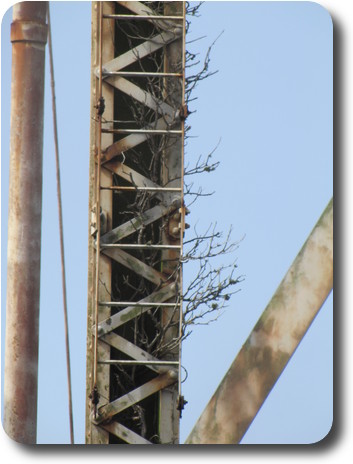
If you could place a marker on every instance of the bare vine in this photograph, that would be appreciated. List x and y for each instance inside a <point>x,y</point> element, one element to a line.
<point>211,288</point>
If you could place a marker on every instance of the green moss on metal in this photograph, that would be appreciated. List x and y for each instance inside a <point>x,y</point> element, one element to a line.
<point>134,312</point>
<point>134,265</point>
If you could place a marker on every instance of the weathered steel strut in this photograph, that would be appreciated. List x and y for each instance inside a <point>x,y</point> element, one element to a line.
<point>137,222</point>
<point>28,36</point>
<point>272,342</point>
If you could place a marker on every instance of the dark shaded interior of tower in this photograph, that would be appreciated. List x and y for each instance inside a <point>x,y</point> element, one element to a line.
<point>148,159</point>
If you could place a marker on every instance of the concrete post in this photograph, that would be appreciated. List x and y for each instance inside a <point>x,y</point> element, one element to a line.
<point>28,36</point>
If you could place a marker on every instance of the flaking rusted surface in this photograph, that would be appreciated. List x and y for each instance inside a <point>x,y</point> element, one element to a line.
<point>24,226</point>
<point>29,22</point>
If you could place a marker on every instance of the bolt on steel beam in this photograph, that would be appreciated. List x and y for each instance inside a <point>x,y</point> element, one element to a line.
<point>28,37</point>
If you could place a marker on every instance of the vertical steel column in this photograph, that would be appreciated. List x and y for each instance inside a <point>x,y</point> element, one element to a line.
<point>94,434</point>
<point>172,175</point>
<point>28,36</point>
<point>272,342</point>
<point>140,126</point>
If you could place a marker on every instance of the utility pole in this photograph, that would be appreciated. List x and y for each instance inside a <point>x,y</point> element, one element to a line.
<point>28,37</point>
<point>136,223</point>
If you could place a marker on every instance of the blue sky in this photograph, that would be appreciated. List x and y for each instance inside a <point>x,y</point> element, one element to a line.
<point>271,105</point>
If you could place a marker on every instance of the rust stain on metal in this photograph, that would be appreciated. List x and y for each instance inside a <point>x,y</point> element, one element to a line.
<point>272,341</point>
<point>148,219</point>
<point>96,434</point>
<point>28,31</point>
<point>140,393</point>
<point>28,35</point>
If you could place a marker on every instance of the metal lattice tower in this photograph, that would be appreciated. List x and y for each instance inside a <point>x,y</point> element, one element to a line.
<point>135,248</point>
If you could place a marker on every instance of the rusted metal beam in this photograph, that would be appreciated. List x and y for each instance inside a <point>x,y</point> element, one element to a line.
<point>97,435</point>
<point>144,97</point>
<point>128,228</point>
<point>167,195</point>
<point>140,8</point>
<point>137,395</point>
<point>130,141</point>
<point>136,353</point>
<point>125,434</point>
<point>119,330</point>
<point>28,37</point>
<point>136,265</point>
<point>172,168</point>
<point>132,311</point>
<point>272,342</point>
<point>141,51</point>
<point>137,7</point>
<point>153,18</point>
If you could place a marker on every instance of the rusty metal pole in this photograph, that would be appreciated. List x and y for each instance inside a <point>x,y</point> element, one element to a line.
<point>272,342</point>
<point>28,37</point>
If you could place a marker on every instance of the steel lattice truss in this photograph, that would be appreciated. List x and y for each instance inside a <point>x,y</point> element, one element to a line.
<point>135,303</point>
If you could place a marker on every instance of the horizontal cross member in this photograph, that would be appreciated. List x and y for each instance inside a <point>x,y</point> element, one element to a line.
<point>135,396</point>
<point>143,17</point>
<point>158,297</point>
<point>120,431</point>
<point>136,223</point>
<point>143,183</point>
<point>138,362</point>
<point>136,265</point>
<point>133,351</point>
<point>130,141</point>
